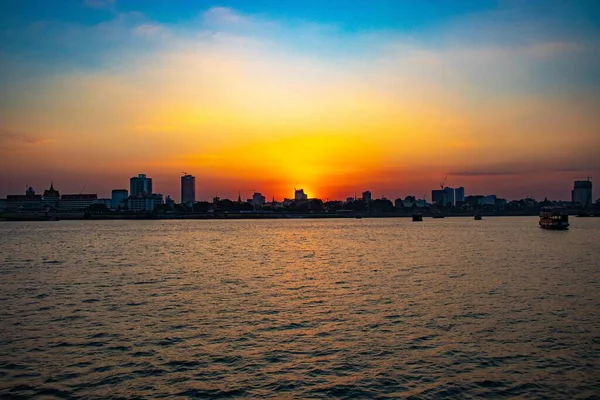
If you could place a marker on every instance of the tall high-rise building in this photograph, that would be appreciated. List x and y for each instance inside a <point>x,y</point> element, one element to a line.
<point>582,193</point>
<point>367,196</point>
<point>449,196</point>
<point>140,185</point>
<point>188,189</point>
<point>459,195</point>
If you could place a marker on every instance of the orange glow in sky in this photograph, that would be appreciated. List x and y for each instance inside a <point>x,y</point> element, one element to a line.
<point>246,102</point>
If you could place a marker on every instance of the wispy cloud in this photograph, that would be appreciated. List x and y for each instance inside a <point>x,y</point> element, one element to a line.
<point>224,15</point>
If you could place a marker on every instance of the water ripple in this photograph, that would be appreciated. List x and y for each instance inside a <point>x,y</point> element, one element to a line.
<point>299,309</point>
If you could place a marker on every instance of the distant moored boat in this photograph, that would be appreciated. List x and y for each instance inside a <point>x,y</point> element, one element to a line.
<point>417,217</point>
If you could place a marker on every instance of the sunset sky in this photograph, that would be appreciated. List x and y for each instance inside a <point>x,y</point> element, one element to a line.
<point>335,97</point>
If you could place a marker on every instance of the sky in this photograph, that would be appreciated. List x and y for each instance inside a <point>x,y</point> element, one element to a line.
<point>335,97</point>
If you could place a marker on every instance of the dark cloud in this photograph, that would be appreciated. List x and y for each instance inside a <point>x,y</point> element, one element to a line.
<point>482,173</point>
<point>9,139</point>
<point>582,166</point>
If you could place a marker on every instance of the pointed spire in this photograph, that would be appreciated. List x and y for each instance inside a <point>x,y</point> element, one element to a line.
<point>51,186</point>
<point>239,197</point>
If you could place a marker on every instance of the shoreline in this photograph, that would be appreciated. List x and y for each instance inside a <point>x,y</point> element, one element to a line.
<point>57,216</point>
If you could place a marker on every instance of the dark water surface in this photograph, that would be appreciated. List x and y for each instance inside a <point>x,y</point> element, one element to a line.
<point>300,309</point>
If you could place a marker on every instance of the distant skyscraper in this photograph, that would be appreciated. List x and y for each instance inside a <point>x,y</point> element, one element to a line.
<point>118,198</point>
<point>582,193</point>
<point>449,196</point>
<point>140,185</point>
<point>188,189</point>
<point>459,195</point>
<point>366,196</point>
<point>299,195</point>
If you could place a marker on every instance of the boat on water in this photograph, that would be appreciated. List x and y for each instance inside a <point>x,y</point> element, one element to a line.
<point>478,216</point>
<point>554,220</point>
<point>417,217</point>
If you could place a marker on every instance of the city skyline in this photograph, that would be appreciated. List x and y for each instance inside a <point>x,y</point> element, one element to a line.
<point>501,97</point>
<point>142,185</point>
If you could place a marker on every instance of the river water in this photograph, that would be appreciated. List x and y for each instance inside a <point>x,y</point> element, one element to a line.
<point>369,308</point>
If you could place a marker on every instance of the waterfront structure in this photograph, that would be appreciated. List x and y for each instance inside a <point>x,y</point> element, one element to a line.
<point>399,204</point>
<point>107,202</point>
<point>2,204</point>
<point>118,198</point>
<point>50,197</point>
<point>144,202</point>
<point>258,199</point>
<point>582,193</point>
<point>299,195</point>
<point>410,202</point>
<point>449,196</point>
<point>489,200</point>
<point>27,202</point>
<point>170,202</point>
<point>188,189</point>
<point>459,195</point>
<point>76,202</point>
<point>140,185</point>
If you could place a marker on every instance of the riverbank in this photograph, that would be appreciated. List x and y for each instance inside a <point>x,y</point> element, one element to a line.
<point>57,216</point>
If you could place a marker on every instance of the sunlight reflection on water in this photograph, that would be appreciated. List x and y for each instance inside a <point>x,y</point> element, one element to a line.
<point>302,308</point>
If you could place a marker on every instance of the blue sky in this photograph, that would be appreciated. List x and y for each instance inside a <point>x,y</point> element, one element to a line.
<point>504,88</point>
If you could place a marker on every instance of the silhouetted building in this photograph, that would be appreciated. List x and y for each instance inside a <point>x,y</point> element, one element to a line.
<point>119,198</point>
<point>144,202</point>
<point>410,202</point>
<point>258,199</point>
<point>459,195</point>
<point>76,202</point>
<point>582,193</point>
<point>489,200</point>
<point>438,197</point>
<point>50,197</point>
<point>105,201</point>
<point>188,189</point>
<point>27,202</point>
<point>449,196</point>
<point>2,204</point>
<point>140,185</point>
<point>299,195</point>
<point>366,196</point>
<point>474,200</point>
<point>170,202</point>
